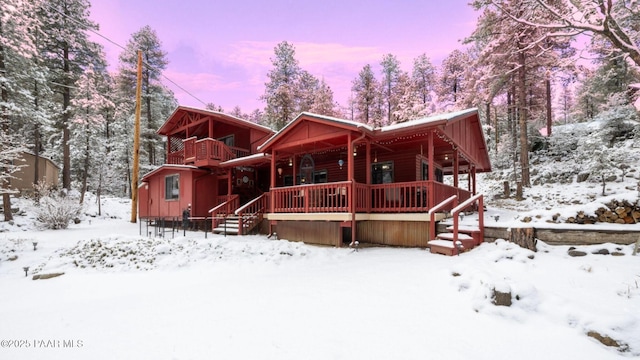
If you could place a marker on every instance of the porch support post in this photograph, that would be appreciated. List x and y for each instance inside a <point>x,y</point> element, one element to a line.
<point>210,128</point>
<point>430,150</point>
<point>368,169</point>
<point>352,200</point>
<point>272,185</point>
<point>169,147</point>
<point>295,169</point>
<point>473,173</point>
<point>229,181</point>
<point>456,167</point>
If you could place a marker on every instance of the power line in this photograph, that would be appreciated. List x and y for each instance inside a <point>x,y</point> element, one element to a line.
<point>123,48</point>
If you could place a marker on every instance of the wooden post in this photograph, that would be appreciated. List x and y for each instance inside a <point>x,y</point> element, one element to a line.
<point>430,149</point>
<point>456,167</point>
<point>136,144</point>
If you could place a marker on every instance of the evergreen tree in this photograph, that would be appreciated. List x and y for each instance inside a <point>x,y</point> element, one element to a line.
<point>453,79</point>
<point>88,123</point>
<point>366,95</point>
<point>614,21</point>
<point>67,51</point>
<point>153,93</point>
<point>306,89</point>
<point>390,75</point>
<point>423,77</point>
<point>323,102</point>
<point>280,90</point>
<point>18,55</point>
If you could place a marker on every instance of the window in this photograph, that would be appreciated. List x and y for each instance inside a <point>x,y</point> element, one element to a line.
<point>172,187</point>
<point>382,173</point>
<point>228,140</point>
<point>320,177</point>
<point>425,172</point>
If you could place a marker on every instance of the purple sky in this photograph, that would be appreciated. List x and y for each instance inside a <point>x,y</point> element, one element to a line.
<point>220,51</point>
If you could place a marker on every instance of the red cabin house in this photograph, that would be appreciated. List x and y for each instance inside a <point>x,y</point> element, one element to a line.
<point>320,180</point>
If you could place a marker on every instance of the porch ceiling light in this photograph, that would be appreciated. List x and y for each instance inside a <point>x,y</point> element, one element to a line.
<point>340,162</point>
<point>290,161</point>
<point>355,151</point>
<point>280,171</point>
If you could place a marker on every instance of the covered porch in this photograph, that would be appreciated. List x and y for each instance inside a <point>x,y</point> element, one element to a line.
<point>329,174</point>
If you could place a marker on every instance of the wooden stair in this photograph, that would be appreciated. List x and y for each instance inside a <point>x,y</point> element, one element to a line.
<point>458,238</point>
<point>230,226</point>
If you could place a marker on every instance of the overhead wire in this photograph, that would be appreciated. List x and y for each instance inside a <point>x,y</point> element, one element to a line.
<point>123,48</point>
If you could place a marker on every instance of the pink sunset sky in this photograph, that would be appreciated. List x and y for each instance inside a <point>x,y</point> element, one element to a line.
<point>220,51</point>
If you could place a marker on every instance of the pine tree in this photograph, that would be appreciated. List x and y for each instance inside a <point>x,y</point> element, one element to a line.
<point>323,102</point>
<point>366,93</point>
<point>453,79</point>
<point>423,77</point>
<point>280,91</point>
<point>390,75</point>
<point>17,59</point>
<point>307,86</point>
<point>67,50</point>
<point>89,120</point>
<point>616,22</point>
<point>153,93</point>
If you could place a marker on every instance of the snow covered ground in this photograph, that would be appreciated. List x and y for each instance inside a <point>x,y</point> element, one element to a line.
<point>127,296</point>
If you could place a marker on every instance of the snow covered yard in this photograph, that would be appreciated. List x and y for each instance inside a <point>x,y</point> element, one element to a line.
<point>124,296</point>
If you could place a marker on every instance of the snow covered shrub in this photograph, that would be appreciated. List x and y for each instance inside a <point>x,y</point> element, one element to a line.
<point>55,209</point>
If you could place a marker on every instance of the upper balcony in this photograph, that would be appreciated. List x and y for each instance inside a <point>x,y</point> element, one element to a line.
<point>205,153</point>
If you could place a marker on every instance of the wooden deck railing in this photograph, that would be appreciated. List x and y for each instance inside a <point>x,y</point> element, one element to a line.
<point>189,149</point>
<point>204,150</point>
<point>329,197</point>
<point>475,201</point>
<point>210,149</point>
<point>227,204</point>
<point>380,198</point>
<point>176,158</point>
<point>251,213</point>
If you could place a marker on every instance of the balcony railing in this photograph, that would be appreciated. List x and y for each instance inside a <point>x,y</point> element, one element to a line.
<point>380,198</point>
<point>205,152</point>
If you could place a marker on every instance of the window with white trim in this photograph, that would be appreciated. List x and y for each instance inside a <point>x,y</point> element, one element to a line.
<point>172,187</point>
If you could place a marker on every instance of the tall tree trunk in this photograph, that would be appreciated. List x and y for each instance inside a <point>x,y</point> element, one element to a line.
<point>495,126</point>
<point>548,96</point>
<point>36,140</point>
<point>66,133</point>
<point>522,117</point>
<point>85,171</point>
<point>6,183</point>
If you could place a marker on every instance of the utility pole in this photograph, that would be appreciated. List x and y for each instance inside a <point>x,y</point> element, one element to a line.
<point>136,144</point>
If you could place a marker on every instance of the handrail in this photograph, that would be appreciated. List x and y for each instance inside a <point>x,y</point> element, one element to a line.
<point>432,212</point>
<point>456,210</point>
<point>225,207</point>
<point>255,209</point>
<point>241,208</point>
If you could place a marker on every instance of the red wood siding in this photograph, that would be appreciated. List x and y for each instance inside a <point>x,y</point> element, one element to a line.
<point>394,233</point>
<point>312,232</point>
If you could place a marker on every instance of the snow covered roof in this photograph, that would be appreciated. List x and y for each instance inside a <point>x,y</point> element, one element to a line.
<point>169,167</point>
<point>168,123</point>
<point>348,123</point>
<point>247,160</point>
<point>428,120</point>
